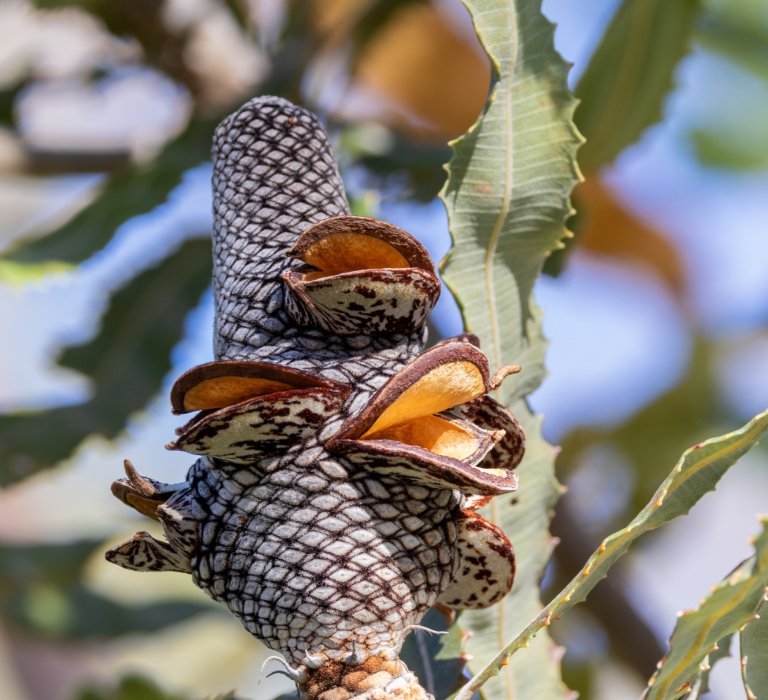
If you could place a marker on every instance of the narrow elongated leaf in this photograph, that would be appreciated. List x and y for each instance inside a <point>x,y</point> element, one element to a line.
<point>729,606</point>
<point>698,471</point>
<point>753,642</point>
<point>126,363</point>
<point>701,683</point>
<point>507,198</point>
<point>125,195</point>
<point>623,88</point>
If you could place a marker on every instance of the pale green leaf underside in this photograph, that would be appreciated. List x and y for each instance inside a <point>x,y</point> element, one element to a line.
<point>754,655</point>
<point>697,472</point>
<point>730,605</point>
<point>507,198</point>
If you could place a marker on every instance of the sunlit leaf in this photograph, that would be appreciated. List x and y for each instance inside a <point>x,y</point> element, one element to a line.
<point>623,88</point>
<point>753,642</point>
<point>125,195</point>
<point>729,606</point>
<point>507,199</point>
<point>697,472</point>
<point>125,362</point>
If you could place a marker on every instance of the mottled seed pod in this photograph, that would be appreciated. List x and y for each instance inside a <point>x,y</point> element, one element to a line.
<point>340,467</point>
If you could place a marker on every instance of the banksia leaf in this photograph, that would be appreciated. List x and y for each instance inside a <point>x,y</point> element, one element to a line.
<point>697,472</point>
<point>334,499</point>
<point>507,197</point>
<point>753,643</point>
<point>730,606</point>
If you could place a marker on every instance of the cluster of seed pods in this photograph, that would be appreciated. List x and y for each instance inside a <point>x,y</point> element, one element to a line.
<point>340,468</point>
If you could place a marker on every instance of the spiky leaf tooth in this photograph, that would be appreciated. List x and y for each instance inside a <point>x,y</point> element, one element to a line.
<point>268,424</point>
<point>145,553</point>
<point>486,569</point>
<point>361,275</point>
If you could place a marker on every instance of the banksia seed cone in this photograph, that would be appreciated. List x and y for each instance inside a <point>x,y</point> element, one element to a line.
<point>333,501</point>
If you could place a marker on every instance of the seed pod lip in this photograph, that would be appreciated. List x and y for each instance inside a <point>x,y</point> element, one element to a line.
<point>220,433</point>
<point>271,373</point>
<point>424,466</point>
<point>386,301</point>
<point>460,353</point>
<point>413,253</point>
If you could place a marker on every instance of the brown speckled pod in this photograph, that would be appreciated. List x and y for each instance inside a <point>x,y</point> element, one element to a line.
<point>339,467</point>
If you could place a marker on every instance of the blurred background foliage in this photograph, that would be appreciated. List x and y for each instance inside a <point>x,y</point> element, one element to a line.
<point>106,114</point>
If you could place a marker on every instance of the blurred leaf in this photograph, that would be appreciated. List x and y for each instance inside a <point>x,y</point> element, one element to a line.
<point>42,592</point>
<point>742,146</point>
<point>59,564</point>
<point>76,612</point>
<point>754,654</point>
<point>697,472</point>
<point>741,39</point>
<point>654,436</point>
<point>507,198</point>
<point>729,606</point>
<point>125,195</point>
<point>433,74</point>
<point>130,688</point>
<point>126,363</point>
<point>623,88</point>
<point>238,9</point>
<point>8,95</point>
<point>437,660</point>
<point>608,228</point>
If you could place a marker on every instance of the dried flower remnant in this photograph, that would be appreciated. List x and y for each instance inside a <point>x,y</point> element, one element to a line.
<point>340,467</point>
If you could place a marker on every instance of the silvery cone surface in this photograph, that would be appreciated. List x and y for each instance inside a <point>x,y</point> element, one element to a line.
<point>340,467</point>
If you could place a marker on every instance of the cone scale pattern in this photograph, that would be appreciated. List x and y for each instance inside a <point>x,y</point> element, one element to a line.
<point>340,466</point>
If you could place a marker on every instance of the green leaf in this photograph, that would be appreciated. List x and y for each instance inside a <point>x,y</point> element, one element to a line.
<point>125,195</point>
<point>436,659</point>
<point>623,88</point>
<point>130,688</point>
<point>740,145</point>
<point>79,613</point>
<point>701,684</point>
<point>126,363</point>
<point>753,642</point>
<point>507,198</point>
<point>41,592</point>
<point>698,471</point>
<point>59,564</point>
<point>730,606</point>
<point>741,38</point>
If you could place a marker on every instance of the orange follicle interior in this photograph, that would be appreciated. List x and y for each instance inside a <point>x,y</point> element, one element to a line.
<point>435,434</point>
<point>219,392</point>
<point>443,387</point>
<point>349,251</point>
